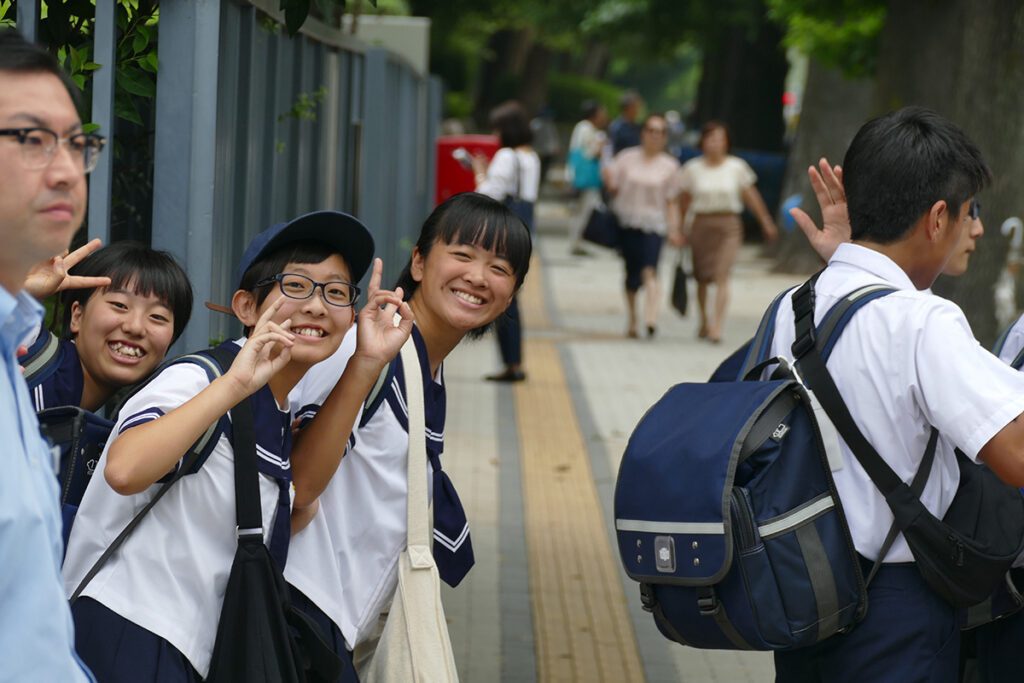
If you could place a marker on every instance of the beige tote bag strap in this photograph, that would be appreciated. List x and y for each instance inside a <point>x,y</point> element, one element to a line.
<point>417,516</point>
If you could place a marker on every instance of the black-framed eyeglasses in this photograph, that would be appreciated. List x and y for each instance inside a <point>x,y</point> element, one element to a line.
<point>295,286</point>
<point>38,146</point>
<point>974,210</point>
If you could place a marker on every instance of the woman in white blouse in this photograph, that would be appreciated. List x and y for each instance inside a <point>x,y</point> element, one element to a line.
<point>642,182</point>
<point>716,186</point>
<point>512,177</point>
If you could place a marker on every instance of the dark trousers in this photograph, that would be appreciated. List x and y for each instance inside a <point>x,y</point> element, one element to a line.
<point>1000,650</point>
<point>510,335</point>
<point>909,635</point>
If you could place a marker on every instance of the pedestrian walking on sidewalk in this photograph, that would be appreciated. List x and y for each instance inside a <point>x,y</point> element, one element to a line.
<point>512,177</point>
<point>716,186</point>
<point>585,145</point>
<point>641,180</point>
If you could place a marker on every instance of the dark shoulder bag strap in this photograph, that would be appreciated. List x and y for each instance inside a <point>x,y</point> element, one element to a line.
<point>811,365</point>
<point>213,369</point>
<point>248,512</point>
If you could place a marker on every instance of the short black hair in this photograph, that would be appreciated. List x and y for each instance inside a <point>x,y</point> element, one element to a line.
<point>898,165</point>
<point>473,218</point>
<point>512,124</point>
<point>18,55</point>
<point>135,266</point>
<point>590,108</point>
<point>273,263</point>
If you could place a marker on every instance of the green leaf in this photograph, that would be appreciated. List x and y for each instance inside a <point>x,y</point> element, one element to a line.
<point>295,14</point>
<point>91,66</point>
<point>136,83</point>
<point>90,127</point>
<point>148,62</point>
<point>139,42</point>
<point>124,108</point>
<point>79,80</point>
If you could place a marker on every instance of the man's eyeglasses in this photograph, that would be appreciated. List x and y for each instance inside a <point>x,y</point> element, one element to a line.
<point>296,286</point>
<point>38,145</point>
<point>974,210</point>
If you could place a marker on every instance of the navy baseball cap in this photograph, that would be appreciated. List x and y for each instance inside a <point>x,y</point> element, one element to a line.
<point>345,234</point>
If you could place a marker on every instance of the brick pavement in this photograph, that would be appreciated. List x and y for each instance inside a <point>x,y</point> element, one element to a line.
<point>535,466</point>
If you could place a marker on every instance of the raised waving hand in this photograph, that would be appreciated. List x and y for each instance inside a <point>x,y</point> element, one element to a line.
<point>51,276</point>
<point>827,184</point>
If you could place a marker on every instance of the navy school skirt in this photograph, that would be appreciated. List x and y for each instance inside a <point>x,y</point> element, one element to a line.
<point>119,651</point>
<point>329,631</point>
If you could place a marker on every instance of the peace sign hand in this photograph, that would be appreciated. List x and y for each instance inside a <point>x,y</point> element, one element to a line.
<point>378,337</point>
<point>51,276</point>
<point>266,351</point>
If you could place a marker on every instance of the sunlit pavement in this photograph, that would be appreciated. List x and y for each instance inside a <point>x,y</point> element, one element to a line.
<point>535,465</point>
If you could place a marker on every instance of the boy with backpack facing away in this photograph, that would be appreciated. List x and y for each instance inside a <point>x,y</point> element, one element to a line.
<point>152,611</point>
<point>906,363</point>
<point>124,305</point>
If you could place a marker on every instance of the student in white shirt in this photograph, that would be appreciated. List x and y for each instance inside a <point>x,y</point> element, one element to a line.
<point>151,612</point>
<point>906,363</point>
<point>470,259</point>
<point>512,177</point>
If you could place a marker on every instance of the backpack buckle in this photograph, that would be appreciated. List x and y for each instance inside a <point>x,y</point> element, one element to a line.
<point>707,603</point>
<point>803,344</point>
<point>647,599</point>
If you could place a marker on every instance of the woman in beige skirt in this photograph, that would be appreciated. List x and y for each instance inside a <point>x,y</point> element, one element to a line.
<point>716,186</point>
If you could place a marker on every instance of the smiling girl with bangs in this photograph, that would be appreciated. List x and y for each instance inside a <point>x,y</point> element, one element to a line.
<point>471,258</point>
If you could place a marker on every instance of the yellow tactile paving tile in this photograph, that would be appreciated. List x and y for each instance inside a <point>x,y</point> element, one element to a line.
<point>582,627</point>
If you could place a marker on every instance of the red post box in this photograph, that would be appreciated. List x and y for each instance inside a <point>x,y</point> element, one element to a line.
<point>454,172</point>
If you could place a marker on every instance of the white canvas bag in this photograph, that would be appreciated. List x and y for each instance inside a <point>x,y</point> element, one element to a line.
<point>414,647</point>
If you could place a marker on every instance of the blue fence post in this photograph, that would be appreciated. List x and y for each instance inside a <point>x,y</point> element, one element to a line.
<point>100,181</point>
<point>435,107</point>
<point>27,19</point>
<point>375,146</point>
<point>185,146</point>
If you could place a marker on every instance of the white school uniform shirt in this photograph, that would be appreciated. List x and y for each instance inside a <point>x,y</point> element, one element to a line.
<point>502,181</point>
<point>346,559</point>
<point>170,575</point>
<point>904,363</point>
<point>1014,342</point>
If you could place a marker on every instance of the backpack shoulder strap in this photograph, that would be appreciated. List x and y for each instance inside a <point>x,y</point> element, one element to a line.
<point>837,317</point>
<point>41,360</point>
<point>811,364</point>
<point>213,364</point>
<point>758,347</point>
<point>1018,361</point>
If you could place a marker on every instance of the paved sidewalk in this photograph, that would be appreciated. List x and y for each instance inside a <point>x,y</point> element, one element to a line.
<point>535,465</point>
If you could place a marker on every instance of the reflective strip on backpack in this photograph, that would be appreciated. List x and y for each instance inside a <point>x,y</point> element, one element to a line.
<point>647,526</point>
<point>796,517</point>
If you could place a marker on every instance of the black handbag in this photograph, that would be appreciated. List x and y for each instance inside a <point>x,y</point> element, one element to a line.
<point>680,298</point>
<point>964,557</point>
<point>603,228</point>
<point>260,637</point>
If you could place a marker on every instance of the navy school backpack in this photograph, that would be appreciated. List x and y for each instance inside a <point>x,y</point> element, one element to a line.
<point>80,435</point>
<point>726,511</point>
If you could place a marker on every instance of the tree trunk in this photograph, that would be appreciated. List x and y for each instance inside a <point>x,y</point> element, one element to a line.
<point>533,88</point>
<point>500,70</point>
<point>965,59</point>
<point>834,107</point>
<point>594,63</point>
<point>742,82</point>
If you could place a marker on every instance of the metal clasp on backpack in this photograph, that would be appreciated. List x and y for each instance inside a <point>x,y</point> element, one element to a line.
<point>707,603</point>
<point>647,597</point>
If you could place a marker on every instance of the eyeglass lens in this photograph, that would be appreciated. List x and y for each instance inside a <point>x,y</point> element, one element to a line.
<point>39,145</point>
<point>301,287</point>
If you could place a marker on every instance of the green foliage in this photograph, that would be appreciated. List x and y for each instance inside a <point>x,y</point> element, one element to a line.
<point>567,92</point>
<point>842,34</point>
<point>458,105</point>
<point>297,11</point>
<point>305,106</point>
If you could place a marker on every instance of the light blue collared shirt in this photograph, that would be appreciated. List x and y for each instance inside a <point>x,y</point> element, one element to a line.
<point>36,634</point>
